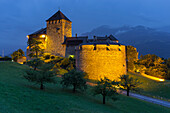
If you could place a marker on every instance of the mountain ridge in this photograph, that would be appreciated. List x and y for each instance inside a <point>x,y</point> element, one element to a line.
<point>147,40</point>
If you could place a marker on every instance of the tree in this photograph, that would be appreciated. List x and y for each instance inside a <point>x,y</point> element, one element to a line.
<point>41,76</point>
<point>155,66</point>
<point>131,57</point>
<point>35,47</point>
<point>74,78</point>
<point>167,63</point>
<point>129,83</point>
<point>68,64</point>
<point>35,63</point>
<point>150,60</point>
<point>17,54</point>
<point>105,87</point>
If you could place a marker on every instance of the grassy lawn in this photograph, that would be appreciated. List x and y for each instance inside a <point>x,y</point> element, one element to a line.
<point>153,88</point>
<point>17,95</point>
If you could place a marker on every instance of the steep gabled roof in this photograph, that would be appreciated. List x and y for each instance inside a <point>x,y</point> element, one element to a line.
<point>113,38</point>
<point>41,31</point>
<point>58,16</point>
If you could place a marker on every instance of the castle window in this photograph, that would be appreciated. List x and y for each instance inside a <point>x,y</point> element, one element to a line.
<point>107,48</point>
<point>71,56</point>
<point>49,22</point>
<point>57,29</point>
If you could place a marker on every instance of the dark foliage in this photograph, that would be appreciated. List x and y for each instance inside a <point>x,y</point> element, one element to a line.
<point>35,47</point>
<point>41,76</point>
<point>35,63</point>
<point>131,57</point>
<point>105,87</point>
<point>75,79</point>
<point>129,83</point>
<point>17,54</point>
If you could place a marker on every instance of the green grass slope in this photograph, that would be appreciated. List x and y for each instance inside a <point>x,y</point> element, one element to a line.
<point>156,89</point>
<point>19,96</point>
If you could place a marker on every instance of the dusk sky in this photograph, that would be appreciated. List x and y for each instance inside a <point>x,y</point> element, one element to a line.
<point>22,17</point>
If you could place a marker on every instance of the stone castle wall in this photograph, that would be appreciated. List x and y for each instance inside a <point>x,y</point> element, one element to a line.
<point>56,30</point>
<point>102,62</point>
<point>70,50</point>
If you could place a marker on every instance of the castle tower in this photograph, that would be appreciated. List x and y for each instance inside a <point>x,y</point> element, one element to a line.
<point>58,26</point>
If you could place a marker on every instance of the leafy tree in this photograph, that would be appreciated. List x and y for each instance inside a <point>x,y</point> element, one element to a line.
<point>150,60</point>
<point>35,63</point>
<point>167,63</point>
<point>139,68</point>
<point>68,64</point>
<point>105,87</point>
<point>17,54</point>
<point>74,78</point>
<point>129,83</point>
<point>41,76</point>
<point>36,47</point>
<point>131,57</point>
<point>155,65</point>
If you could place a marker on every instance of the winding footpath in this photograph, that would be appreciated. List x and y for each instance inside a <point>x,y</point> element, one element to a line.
<point>141,97</point>
<point>148,99</point>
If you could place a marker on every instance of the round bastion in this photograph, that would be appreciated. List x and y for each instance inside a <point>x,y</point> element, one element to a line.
<point>101,60</point>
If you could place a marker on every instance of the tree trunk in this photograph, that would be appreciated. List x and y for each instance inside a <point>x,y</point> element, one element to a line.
<point>42,87</point>
<point>104,99</point>
<point>74,88</point>
<point>128,91</point>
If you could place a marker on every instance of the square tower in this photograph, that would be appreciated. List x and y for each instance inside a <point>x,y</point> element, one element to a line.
<point>58,27</point>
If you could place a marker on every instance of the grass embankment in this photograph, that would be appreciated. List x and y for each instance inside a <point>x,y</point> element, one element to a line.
<point>152,88</point>
<point>19,96</point>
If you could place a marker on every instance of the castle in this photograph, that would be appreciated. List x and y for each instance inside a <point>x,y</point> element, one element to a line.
<point>98,57</point>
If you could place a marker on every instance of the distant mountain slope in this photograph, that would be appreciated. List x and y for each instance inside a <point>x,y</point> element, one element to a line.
<point>145,39</point>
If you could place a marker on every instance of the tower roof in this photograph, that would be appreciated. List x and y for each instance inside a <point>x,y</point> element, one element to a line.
<point>41,31</point>
<point>58,16</point>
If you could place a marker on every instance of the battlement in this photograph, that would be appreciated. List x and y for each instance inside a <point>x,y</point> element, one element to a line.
<point>59,21</point>
<point>100,47</point>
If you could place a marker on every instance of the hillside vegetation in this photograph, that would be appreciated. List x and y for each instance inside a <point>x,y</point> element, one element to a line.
<point>17,95</point>
<point>153,88</point>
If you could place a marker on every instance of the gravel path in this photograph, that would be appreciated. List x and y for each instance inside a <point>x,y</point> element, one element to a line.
<point>148,99</point>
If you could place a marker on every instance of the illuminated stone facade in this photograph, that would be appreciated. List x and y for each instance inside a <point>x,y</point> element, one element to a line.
<point>102,60</point>
<point>56,31</point>
<point>99,57</point>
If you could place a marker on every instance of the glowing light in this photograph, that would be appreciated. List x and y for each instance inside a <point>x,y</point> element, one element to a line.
<point>154,78</point>
<point>72,56</point>
<point>27,36</point>
<point>43,36</point>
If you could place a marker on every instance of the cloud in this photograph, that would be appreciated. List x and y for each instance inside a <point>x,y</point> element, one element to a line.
<point>146,18</point>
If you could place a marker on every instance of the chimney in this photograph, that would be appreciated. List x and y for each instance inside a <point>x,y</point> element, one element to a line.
<point>76,34</point>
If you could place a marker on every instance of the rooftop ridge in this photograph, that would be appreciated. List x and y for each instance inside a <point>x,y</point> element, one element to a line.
<point>58,16</point>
